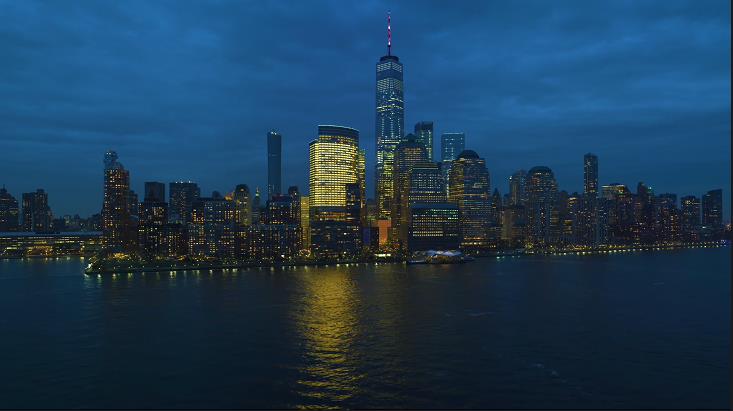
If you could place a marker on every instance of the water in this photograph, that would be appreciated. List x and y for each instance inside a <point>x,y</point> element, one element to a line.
<point>636,330</point>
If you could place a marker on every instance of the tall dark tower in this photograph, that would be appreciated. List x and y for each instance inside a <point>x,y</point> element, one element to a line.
<point>590,175</point>
<point>274,163</point>
<point>390,124</point>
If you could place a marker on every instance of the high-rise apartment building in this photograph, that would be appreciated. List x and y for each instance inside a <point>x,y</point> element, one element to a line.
<point>542,193</point>
<point>118,230</point>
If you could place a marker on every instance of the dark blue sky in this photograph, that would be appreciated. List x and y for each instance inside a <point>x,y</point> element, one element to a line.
<point>188,90</point>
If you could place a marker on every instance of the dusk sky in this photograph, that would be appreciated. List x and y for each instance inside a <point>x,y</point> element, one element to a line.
<point>187,90</point>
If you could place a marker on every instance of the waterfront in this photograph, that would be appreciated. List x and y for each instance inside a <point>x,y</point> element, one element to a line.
<point>631,330</point>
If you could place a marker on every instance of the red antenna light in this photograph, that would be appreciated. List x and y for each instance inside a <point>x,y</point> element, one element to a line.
<point>389,33</point>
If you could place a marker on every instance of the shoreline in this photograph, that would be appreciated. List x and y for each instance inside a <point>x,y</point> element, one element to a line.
<point>497,255</point>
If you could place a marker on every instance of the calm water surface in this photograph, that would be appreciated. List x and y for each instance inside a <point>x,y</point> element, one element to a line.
<point>639,330</point>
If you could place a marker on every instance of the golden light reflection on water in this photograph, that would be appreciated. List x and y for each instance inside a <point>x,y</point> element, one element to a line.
<point>327,321</point>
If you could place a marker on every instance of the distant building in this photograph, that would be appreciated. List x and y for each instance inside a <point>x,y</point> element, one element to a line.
<point>616,212</point>
<point>36,212</point>
<point>182,196</point>
<point>153,217</point>
<point>469,189</point>
<point>712,214</point>
<point>212,227</point>
<point>305,221</point>
<point>118,230</point>
<point>542,194</point>
<point>667,219</point>
<point>690,221</point>
<point>517,188</point>
<point>9,211</point>
<point>242,205</point>
<point>274,164</point>
<point>154,191</point>
<point>451,145</point>
<point>424,136</point>
<point>644,218</point>
<point>590,175</point>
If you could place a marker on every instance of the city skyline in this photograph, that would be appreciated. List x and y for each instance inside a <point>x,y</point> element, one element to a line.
<point>676,167</point>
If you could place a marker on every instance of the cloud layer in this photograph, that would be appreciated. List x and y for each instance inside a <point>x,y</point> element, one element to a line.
<point>188,90</point>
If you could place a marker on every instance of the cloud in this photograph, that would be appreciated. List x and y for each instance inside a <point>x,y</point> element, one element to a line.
<point>188,90</point>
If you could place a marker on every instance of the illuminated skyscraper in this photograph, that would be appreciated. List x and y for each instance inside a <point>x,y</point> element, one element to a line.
<point>469,189</point>
<point>334,168</point>
<point>390,120</point>
<point>424,135</point>
<point>451,145</point>
<point>118,232</point>
<point>274,164</point>
<point>542,193</point>
<point>8,211</point>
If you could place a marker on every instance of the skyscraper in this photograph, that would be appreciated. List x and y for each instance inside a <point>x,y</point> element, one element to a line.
<point>469,189</point>
<point>242,205</point>
<point>542,193</point>
<point>334,182</point>
<point>712,209</point>
<point>182,196</point>
<point>274,164</point>
<point>690,221</point>
<point>390,120</point>
<point>118,232</point>
<point>8,211</point>
<point>590,175</point>
<point>451,145</point>
<point>424,135</point>
<point>36,212</point>
<point>154,191</point>
<point>407,154</point>
<point>586,219</point>
<point>517,188</point>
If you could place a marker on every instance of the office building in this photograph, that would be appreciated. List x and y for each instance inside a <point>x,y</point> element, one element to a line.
<point>334,181</point>
<point>390,120</point>
<point>469,189</point>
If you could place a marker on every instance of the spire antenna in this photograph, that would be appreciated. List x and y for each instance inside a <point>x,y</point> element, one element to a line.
<point>389,33</point>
